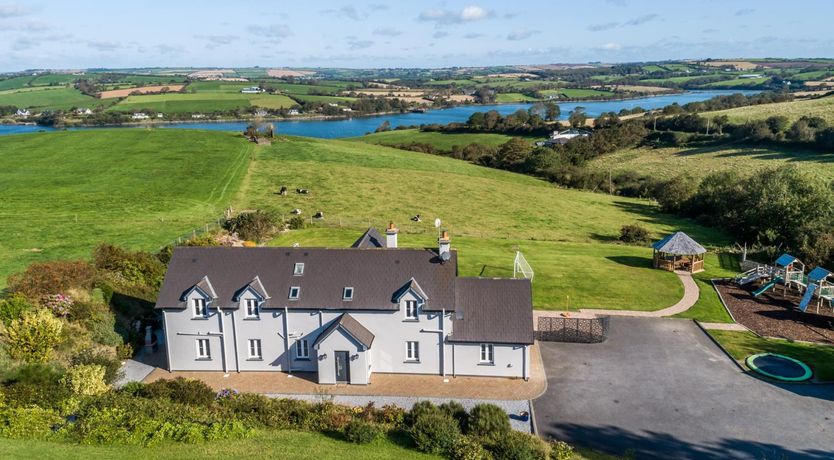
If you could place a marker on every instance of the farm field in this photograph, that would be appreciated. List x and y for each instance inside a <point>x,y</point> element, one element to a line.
<point>666,163</point>
<point>737,83</point>
<point>566,235</point>
<point>442,141</point>
<point>202,102</point>
<point>317,98</point>
<point>502,98</point>
<point>49,97</point>
<point>822,107</point>
<point>65,192</point>
<point>575,93</point>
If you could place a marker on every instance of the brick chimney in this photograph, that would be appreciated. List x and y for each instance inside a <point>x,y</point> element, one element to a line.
<point>444,243</point>
<point>391,236</point>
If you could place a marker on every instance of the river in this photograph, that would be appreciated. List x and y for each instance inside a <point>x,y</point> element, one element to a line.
<point>358,126</point>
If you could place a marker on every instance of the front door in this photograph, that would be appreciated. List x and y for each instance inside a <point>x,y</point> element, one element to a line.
<point>342,369</point>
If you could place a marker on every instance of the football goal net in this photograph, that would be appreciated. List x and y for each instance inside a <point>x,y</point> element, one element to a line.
<point>521,268</point>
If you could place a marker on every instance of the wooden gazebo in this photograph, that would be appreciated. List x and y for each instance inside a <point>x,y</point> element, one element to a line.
<point>679,252</point>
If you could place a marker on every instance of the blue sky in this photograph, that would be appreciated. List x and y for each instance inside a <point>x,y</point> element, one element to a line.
<point>82,34</point>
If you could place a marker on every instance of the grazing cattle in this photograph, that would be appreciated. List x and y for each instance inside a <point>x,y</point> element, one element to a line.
<point>416,218</point>
<point>302,191</point>
<point>283,191</point>
<point>319,215</point>
<point>296,211</point>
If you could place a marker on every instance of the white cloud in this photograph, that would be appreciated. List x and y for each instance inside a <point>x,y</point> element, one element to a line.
<point>215,41</point>
<point>441,16</point>
<point>473,13</point>
<point>521,34</point>
<point>9,10</point>
<point>611,46</point>
<point>387,31</point>
<point>273,32</point>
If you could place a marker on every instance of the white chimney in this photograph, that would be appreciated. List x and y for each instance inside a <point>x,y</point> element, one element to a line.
<point>391,236</point>
<point>444,243</point>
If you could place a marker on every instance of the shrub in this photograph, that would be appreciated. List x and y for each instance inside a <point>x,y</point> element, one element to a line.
<point>32,337</point>
<point>256,226</point>
<point>36,385</point>
<point>130,267</point>
<point>516,445</point>
<point>28,422</point>
<point>112,366</point>
<point>250,244</point>
<point>435,433</point>
<point>59,304</point>
<point>560,450</point>
<point>132,388</point>
<point>184,391</point>
<point>13,308</point>
<point>456,410</point>
<point>361,432</point>
<point>124,351</point>
<point>392,415</point>
<point>419,409</point>
<point>469,448</point>
<point>634,233</point>
<point>86,380</point>
<point>102,328</point>
<point>488,421</point>
<point>295,223</point>
<point>42,279</point>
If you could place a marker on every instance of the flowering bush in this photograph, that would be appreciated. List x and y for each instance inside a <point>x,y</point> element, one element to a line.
<point>59,304</point>
<point>86,380</point>
<point>227,393</point>
<point>33,337</point>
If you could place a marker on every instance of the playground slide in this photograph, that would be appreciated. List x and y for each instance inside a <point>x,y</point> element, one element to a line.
<point>750,279</point>
<point>767,286</point>
<point>806,299</point>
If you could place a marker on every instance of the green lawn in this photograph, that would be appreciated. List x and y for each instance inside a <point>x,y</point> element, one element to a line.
<point>822,107</point>
<point>295,88</point>
<point>709,307</point>
<point>202,102</point>
<point>565,234</point>
<point>577,93</point>
<point>737,83</point>
<point>325,99</point>
<point>15,82</point>
<point>266,444</point>
<point>442,141</point>
<point>56,97</point>
<point>667,163</point>
<point>65,192</point>
<point>682,79</point>
<point>513,97</point>
<point>740,345</point>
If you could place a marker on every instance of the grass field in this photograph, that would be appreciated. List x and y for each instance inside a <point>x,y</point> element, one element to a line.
<point>576,93</point>
<point>822,107</point>
<point>442,141</point>
<point>565,234</point>
<point>740,345</point>
<point>666,163</point>
<point>513,97</point>
<point>681,79</point>
<point>709,307</point>
<point>325,99</point>
<point>65,192</point>
<point>202,102</point>
<point>48,97</point>
<point>737,83</point>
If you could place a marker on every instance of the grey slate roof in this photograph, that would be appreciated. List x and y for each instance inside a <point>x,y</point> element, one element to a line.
<point>254,285</point>
<point>374,275</point>
<point>411,285</point>
<point>353,328</point>
<point>679,243</point>
<point>370,239</point>
<point>493,310</point>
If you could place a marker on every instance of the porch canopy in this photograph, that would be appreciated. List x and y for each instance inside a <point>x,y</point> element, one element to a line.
<point>679,252</point>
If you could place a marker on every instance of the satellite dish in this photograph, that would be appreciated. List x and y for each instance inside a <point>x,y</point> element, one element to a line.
<point>437,223</point>
<point>445,256</point>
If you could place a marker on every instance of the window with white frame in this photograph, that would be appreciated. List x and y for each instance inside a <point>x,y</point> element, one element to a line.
<point>255,349</point>
<point>487,353</point>
<point>295,291</point>
<point>298,269</point>
<point>252,308</point>
<point>411,310</point>
<point>347,293</point>
<point>302,349</point>
<point>199,305</point>
<point>203,350</point>
<point>412,351</point>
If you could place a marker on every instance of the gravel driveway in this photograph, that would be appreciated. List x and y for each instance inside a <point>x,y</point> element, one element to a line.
<point>662,388</point>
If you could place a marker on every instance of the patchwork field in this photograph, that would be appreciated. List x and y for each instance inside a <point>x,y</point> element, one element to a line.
<point>141,89</point>
<point>202,102</point>
<point>443,141</point>
<point>822,107</point>
<point>566,235</point>
<point>65,192</point>
<point>49,97</point>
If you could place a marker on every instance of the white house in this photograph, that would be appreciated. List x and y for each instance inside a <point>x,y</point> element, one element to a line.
<point>563,137</point>
<point>293,112</point>
<point>252,90</point>
<point>197,115</point>
<point>140,116</point>
<point>343,314</point>
<point>22,113</point>
<point>83,111</point>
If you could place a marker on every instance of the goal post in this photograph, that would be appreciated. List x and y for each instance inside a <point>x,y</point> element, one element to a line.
<point>521,267</point>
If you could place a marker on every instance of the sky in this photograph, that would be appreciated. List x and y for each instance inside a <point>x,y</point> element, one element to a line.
<point>78,34</point>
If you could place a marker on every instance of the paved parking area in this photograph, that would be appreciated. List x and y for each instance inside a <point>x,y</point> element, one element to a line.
<point>662,388</point>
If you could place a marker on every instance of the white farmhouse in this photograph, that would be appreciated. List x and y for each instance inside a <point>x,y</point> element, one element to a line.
<point>140,116</point>
<point>252,90</point>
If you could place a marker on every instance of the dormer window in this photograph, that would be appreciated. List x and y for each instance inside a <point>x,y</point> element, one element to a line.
<point>295,291</point>
<point>252,308</point>
<point>298,269</point>
<point>199,305</point>
<point>347,293</point>
<point>411,310</point>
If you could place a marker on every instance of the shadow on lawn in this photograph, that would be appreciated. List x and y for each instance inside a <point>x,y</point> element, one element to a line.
<point>631,261</point>
<point>617,441</point>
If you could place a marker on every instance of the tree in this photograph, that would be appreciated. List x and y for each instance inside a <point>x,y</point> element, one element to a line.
<point>254,226</point>
<point>513,153</point>
<point>578,117</point>
<point>551,111</point>
<point>32,337</point>
<point>384,126</point>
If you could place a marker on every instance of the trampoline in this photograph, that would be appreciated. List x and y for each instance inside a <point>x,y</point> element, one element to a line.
<point>779,367</point>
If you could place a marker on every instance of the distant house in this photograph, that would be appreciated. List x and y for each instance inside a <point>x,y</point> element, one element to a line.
<point>343,314</point>
<point>83,111</point>
<point>252,90</point>
<point>750,75</point>
<point>261,113</point>
<point>22,113</point>
<point>347,109</point>
<point>140,116</point>
<point>160,115</point>
<point>293,112</point>
<point>563,137</point>
<point>197,115</point>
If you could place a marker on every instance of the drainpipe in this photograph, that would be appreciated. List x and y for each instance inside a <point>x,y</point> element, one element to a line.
<point>443,342</point>
<point>524,363</point>
<point>287,340</point>
<point>234,342</point>
<point>167,342</point>
<point>222,339</point>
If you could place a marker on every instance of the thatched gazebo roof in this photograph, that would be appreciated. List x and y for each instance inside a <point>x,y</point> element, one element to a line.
<point>679,243</point>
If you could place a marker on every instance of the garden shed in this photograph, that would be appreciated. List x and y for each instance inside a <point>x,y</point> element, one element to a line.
<point>679,252</point>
